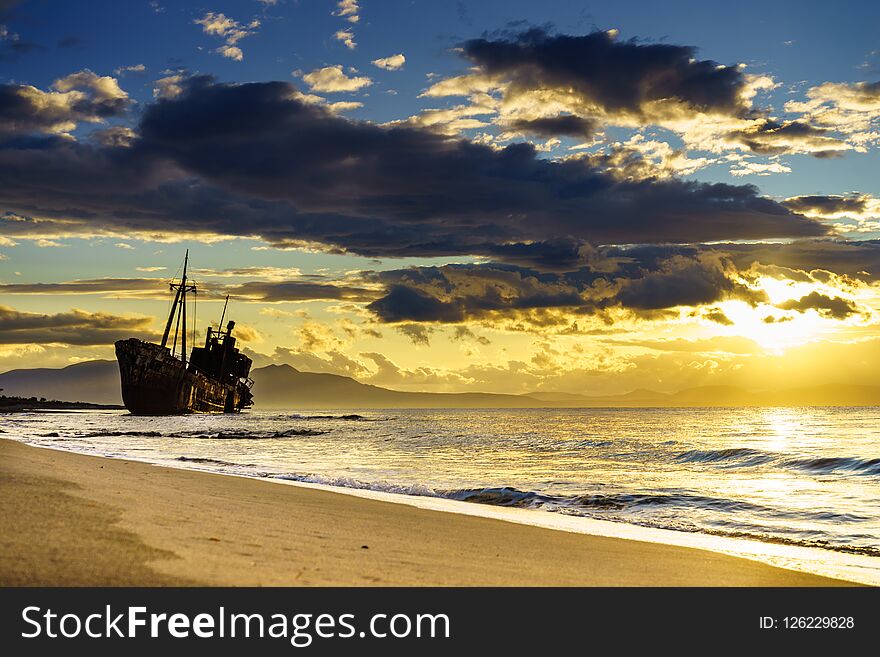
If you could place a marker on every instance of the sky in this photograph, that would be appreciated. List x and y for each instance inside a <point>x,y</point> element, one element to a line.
<point>587,197</point>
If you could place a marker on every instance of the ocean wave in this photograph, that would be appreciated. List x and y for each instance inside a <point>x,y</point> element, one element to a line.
<point>108,434</point>
<point>829,465</point>
<point>245,435</point>
<point>207,461</point>
<point>748,457</point>
<point>745,456</point>
<point>349,482</point>
<point>201,435</point>
<point>501,496</point>
<point>351,417</point>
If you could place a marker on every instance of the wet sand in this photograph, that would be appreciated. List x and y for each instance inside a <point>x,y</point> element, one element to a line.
<point>70,519</point>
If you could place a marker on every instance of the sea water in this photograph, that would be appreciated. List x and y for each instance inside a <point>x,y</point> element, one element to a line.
<point>803,480</point>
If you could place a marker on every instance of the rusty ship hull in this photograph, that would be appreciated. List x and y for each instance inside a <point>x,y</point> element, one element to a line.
<point>214,378</point>
<point>156,383</point>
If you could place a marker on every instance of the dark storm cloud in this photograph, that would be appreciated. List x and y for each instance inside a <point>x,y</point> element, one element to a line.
<point>827,205</point>
<point>855,259</point>
<point>774,138</point>
<point>252,160</point>
<point>553,126</point>
<point>684,283</point>
<point>619,76</point>
<point>254,139</point>
<point>833,307</point>
<point>411,304</point>
<point>76,327</point>
<point>646,279</point>
<point>456,293</point>
<point>600,78</point>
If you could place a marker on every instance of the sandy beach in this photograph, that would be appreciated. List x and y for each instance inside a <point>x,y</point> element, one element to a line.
<point>72,519</point>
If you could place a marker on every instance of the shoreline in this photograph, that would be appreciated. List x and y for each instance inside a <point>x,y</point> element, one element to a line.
<point>77,519</point>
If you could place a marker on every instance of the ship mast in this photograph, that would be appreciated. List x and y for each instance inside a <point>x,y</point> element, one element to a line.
<point>220,325</point>
<point>178,308</point>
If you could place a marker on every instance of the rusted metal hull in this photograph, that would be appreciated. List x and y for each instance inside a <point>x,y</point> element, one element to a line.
<point>156,383</point>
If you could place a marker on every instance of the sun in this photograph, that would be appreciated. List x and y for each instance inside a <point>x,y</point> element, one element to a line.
<point>775,329</point>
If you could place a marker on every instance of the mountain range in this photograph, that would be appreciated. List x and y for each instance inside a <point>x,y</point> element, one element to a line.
<point>282,386</point>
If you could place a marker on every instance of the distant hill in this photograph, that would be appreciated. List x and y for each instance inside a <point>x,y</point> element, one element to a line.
<point>93,381</point>
<point>282,386</point>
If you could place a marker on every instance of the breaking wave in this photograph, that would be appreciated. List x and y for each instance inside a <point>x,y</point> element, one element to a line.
<point>747,457</point>
<point>830,465</point>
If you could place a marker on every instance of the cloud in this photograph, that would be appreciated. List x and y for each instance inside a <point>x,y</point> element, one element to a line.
<point>552,79</point>
<point>772,137</point>
<point>614,76</point>
<point>118,286</point>
<point>832,307</point>
<point>723,344</point>
<point>852,213</point>
<point>717,315</point>
<point>604,81</point>
<point>829,207</point>
<point>331,362</point>
<point>332,79</point>
<point>248,333</point>
<point>268,291</point>
<point>74,99</point>
<point>76,327</point>
<point>404,303</point>
<point>648,282</point>
<point>390,63</point>
<point>231,31</point>
<point>348,9</point>
<point>682,281</point>
<point>565,125</point>
<point>418,334</point>
<point>298,291</point>
<point>849,258</point>
<point>254,160</point>
<point>849,108</point>
<point>134,68</point>
<point>451,121</point>
<point>232,52</point>
<point>464,333</point>
<point>748,168</point>
<point>346,37</point>
<point>171,86</point>
<point>117,136</point>
<point>639,158</point>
